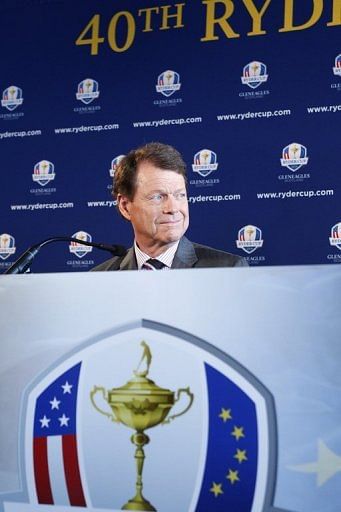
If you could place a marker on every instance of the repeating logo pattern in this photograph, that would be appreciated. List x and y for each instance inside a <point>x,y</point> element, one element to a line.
<point>12,97</point>
<point>87,90</point>
<point>43,172</point>
<point>114,164</point>
<point>205,162</point>
<point>7,246</point>
<point>78,249</point>
<point>294,156</point>
<point>168,83</point>
<point>335,236</point>
<point>249,238</point>
<point>254,74</point>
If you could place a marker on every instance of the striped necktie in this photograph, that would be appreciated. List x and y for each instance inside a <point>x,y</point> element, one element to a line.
<point>153,264</point>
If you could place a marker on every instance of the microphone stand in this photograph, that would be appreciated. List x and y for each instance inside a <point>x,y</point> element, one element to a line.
<point>24,262</point>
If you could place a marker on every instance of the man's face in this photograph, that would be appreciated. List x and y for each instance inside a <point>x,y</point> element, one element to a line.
<point>159,209</point>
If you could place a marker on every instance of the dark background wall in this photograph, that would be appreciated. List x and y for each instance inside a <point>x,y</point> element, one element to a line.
<point>256,84</point>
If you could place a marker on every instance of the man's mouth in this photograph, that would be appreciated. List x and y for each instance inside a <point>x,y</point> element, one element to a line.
<point>171,222</point>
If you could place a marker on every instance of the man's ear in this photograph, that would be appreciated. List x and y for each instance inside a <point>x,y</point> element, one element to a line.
<point>123,204</point>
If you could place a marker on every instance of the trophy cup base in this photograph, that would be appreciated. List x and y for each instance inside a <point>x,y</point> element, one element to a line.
<point>139,505</point>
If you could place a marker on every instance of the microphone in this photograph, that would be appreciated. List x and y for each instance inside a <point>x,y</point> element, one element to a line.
<point>24,262</point>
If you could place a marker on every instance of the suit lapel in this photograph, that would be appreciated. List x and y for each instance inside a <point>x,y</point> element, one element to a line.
<point>185,256</point>
<point>129,261</point>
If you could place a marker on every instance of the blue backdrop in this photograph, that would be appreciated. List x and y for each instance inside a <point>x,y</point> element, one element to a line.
<point>248,91</point>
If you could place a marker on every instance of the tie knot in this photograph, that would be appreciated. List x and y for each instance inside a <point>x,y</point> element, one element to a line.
<point>153,264</point>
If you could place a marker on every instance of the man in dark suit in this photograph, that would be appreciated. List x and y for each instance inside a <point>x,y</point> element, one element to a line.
<point>150,188</point>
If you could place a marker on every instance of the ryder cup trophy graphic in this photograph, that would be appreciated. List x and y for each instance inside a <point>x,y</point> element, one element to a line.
<point>141,404</point>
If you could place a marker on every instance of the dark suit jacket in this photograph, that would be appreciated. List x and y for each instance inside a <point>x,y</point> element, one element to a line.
<point>188,255</point>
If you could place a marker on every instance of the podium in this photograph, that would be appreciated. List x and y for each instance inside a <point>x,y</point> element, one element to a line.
<point>200,390</point>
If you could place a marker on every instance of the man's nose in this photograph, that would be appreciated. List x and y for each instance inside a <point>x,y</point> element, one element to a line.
<point>170,204</point>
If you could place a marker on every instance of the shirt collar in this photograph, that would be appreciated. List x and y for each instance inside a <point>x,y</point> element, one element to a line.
<point>166,257</point>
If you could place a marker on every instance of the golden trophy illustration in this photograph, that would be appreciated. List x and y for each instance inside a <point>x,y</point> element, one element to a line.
<point>141,404</point>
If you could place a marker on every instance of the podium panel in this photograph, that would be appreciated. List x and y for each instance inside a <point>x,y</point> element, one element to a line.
<point>193,390</point>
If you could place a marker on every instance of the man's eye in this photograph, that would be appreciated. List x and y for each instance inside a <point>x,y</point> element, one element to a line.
<point>180,195</point>
<point>156,197</point>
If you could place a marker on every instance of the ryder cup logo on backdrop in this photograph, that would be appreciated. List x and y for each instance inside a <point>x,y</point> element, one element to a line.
<point>114,164</point>
<point>294,156</point>
<point>12,97</point>
<point>249,238</point>
<point>87,90</point>
<point>335,236</point>
<point>151,392</point>
<point>7,246</point>
<point>168,83</point>
<point>205,162</point>
<point>254,74</point>
<point>43,172</point>
<point>337,67</point>
<point>78,249</point>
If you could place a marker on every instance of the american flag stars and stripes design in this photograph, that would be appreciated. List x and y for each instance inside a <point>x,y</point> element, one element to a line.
<point>55,457</point>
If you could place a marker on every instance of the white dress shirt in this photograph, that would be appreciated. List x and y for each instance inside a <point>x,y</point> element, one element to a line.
<point>166,257</point>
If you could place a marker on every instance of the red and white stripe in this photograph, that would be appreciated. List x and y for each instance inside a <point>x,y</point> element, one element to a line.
<point>56,470</point>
